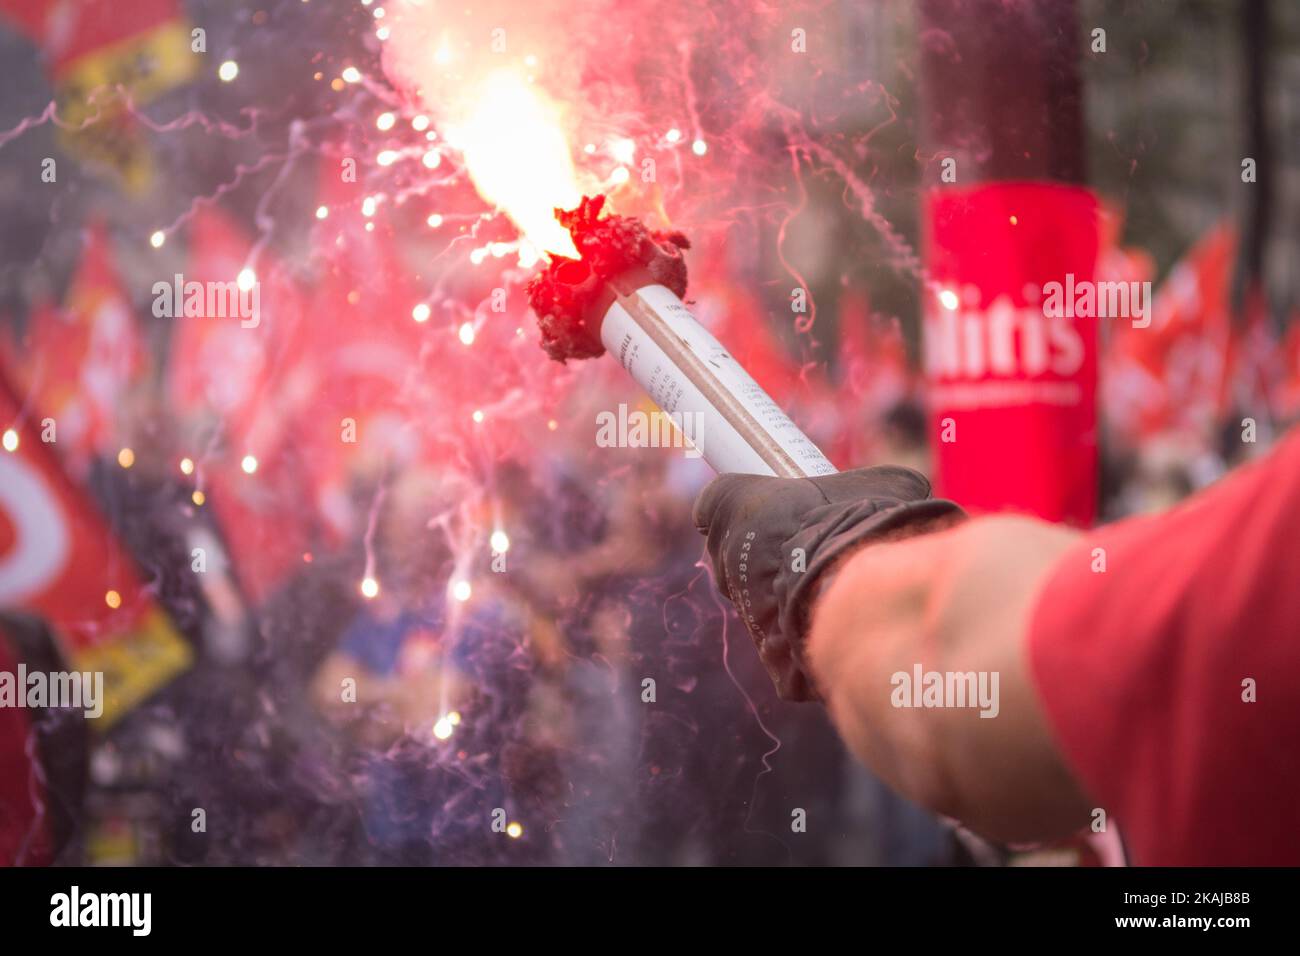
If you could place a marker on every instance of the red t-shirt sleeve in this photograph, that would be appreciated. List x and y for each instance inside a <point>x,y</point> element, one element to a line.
<point>1147,670</point>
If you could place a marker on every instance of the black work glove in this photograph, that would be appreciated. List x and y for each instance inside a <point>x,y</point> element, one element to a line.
<point>771,538</point>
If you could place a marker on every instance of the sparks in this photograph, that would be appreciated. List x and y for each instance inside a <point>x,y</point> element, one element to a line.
<point>10,440</point>
<point>157,239</point>
<point>466,334</point>
<point>461,591</point>
<point>623,150</point>
<point>249,464</point>
<point>126,458</point>
<point>421,312</point>
<point>228,71</point>
<point>500,542</point>
<point>948,299</point>
<point>369,588</point>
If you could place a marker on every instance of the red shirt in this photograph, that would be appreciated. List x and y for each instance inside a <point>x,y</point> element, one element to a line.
<point>1141,669</point>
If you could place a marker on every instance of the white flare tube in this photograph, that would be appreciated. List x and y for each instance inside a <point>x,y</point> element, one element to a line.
<point>716,404</point>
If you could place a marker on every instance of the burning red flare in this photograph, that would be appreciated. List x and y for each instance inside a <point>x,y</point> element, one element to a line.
<point>570,295</point>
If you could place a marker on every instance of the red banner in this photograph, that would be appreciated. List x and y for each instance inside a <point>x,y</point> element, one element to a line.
<point>1013,384</point>
<point>59,559</point>
<point>99,54</point>
<point>78,364</point>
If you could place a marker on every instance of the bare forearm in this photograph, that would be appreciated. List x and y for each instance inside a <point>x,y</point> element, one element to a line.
<point>952,603</point>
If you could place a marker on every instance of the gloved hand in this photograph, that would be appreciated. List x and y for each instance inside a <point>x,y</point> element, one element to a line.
<point>770,540</point>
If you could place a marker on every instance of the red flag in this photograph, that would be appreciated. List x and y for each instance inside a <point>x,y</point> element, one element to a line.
<point>874,373</point>
<point>232,375</point>
<point>95,48</point>
<point>59,559</point>
<point>83,360</point>
<point>1172,374</point>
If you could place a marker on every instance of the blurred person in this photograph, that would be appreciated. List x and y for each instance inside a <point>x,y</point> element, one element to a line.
<point>435,714</point>
<point>1142,673</point>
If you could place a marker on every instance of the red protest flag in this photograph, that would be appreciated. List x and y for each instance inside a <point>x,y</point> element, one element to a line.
<point>1171,374</point>
<point>79,363</point>
<point>232,374</point>
<point>98,50</point>
<point>60,560</point>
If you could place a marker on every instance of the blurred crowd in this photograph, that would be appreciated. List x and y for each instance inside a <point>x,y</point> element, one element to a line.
<point>365,587</point>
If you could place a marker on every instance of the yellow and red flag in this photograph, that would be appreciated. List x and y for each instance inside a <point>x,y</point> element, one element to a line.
<point>104,56</point>
<point>60,560</point>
